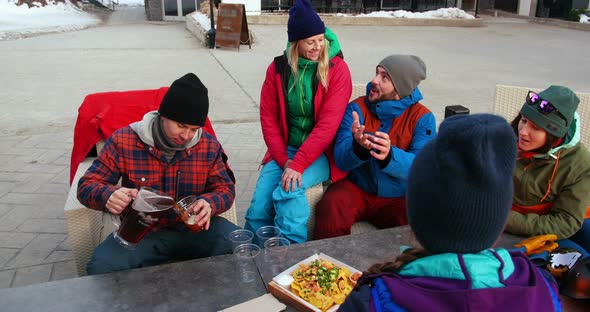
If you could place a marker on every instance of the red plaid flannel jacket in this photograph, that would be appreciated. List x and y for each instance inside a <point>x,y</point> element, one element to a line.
<point>124,156</point>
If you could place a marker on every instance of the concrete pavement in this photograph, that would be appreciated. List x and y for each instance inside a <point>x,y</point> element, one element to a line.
<point>45,78</point>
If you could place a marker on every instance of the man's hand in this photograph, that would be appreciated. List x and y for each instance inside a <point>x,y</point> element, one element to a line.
<point>358,132</point>
<point>290,179</point>
<point>202,211</point>
<point>380,145</point>
<point>120,199</point>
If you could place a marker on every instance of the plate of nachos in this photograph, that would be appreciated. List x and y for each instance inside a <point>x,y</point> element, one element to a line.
<point>320,282</point>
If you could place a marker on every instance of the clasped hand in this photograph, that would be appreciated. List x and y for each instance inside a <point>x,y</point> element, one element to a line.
<point>378,143</point>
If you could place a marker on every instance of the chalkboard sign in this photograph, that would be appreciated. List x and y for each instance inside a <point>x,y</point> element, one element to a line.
<point>232,26</point>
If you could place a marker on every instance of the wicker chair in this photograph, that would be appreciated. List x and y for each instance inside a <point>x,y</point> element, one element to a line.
<point>315,193</point>
<point>88,227</point>
<point>509,99</point>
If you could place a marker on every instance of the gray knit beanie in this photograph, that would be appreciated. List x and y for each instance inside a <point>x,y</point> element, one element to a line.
<point>460,184</point>
<point>406,72</point>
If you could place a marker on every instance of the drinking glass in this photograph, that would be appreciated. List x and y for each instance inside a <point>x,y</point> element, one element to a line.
<point>266,232</point>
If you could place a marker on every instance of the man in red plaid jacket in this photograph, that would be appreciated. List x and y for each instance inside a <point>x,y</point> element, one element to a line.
<point>168,151</point>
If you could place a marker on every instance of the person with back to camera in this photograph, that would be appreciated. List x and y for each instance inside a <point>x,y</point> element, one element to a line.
<point>376,143</point>
<point>302,102</point>
<point>552,175</point>
<point>168,151</point>
<point>458,198</point>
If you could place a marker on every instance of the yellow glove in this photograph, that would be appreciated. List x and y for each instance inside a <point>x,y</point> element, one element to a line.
<point>539,243</point>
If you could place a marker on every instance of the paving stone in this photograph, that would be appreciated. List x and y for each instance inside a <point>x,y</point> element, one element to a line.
<point>4,208</point>
<point>41,168</point>
<point>6,277</point>
<point>15,240</point>
<point>64,159</point>
<point>7,142</point>
<point>6,254</point>
<point>6,187</point>
<point>36,251</point>
<point>6,158</point>
<point>56,145</point>
<point>34,225</point>
<point>247,155</point>
<point>32,275</point>
<point>65,245</point>
<point>54,188</point>
<point>62,176</point>
<point>60,255</point>
<point>25,153</point>
<point>51,210</point>
<point>63,270</point>
<point>32,199</point>
<point>16,216</point>
<point>51,156</point>
<point>14,176</point>
<point>33,183</point>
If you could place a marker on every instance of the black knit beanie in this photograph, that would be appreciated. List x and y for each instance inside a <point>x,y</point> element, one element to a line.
<point>556,123</point>
<point>406,72</point>
<point>460,184</point>
<point>186,101</point>
<point>303,22</point>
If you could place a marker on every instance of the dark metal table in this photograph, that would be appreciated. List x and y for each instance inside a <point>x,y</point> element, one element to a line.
<point>209,284</point>
<point>197,285</point>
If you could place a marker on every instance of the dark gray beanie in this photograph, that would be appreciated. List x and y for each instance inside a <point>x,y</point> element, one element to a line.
<point>460,184</point>
<point>406,72</point>
<point>186,101</point>
<point>564,100</point>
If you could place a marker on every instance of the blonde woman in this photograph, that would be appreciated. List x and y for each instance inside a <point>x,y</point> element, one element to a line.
<point>302,102</point>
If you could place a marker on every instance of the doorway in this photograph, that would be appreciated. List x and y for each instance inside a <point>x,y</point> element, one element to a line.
<point>175,10</point>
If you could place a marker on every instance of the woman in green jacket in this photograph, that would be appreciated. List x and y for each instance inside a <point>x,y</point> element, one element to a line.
<point>552,174</point>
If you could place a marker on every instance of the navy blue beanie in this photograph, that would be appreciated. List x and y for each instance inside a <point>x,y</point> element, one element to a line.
<point>186,101</point>
<point>460,184</point>
<point>304,22</point>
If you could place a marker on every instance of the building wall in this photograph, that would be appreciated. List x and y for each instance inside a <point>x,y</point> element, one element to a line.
<point>154,10</point>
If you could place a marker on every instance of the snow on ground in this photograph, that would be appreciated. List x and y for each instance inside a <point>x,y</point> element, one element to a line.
<point>447,13</point>
<point>131,2</point>
<point>440,13</point>
<point>22,21</point>
<point>17,21</point>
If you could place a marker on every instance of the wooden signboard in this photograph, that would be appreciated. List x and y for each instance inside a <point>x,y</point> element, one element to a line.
<point>232,26</point>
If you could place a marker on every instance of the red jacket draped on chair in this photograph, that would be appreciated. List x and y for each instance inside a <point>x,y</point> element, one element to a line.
<point>102,113</point>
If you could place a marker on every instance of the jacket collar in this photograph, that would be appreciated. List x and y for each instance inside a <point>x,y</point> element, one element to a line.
<point>570,140</point>
<point>392,108</point>
<point>143,128</point>
<point>481,268</point>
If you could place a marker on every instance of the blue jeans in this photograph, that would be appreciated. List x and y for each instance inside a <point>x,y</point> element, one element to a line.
<point>289,211</point>
<point>582,237</point>
<point>162,246</point>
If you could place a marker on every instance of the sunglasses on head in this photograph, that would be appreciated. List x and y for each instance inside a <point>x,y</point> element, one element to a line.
<point>545,107</point>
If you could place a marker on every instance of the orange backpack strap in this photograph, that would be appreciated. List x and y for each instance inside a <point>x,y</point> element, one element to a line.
<point>402,129</point>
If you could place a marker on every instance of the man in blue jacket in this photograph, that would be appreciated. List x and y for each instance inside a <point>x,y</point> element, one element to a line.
<point>376,143</point>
